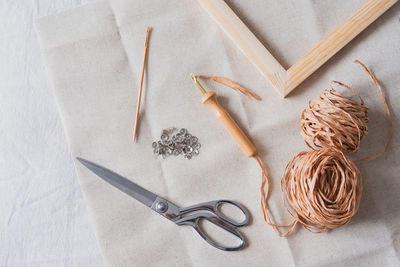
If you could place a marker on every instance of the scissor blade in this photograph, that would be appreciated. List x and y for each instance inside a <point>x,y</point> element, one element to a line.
<point>123,184</point>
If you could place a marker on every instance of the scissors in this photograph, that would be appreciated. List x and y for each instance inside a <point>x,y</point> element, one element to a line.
<point>191,215</point>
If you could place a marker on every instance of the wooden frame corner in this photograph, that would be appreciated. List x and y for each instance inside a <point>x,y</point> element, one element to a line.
<point>285,81</point>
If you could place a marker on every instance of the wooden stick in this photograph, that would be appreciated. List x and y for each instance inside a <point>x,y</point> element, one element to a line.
<point>285,81</point>
<point>146,44</point>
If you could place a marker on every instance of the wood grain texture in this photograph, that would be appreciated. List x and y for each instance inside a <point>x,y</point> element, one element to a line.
<point>335,41</point>
<point>247,42</point>
<point>285,81</point>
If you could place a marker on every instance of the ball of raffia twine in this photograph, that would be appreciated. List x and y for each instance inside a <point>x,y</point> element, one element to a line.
<point>332,120</point>
<point>323,187</point>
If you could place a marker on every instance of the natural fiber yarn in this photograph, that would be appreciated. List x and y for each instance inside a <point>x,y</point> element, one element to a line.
<point>332,120</point>
<point>321,189</point>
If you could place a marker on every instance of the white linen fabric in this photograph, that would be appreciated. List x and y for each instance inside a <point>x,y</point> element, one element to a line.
<point>44,220</point>
<point>93,56</point>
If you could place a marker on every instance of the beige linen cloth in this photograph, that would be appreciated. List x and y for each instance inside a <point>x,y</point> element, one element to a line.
<point>93,55</point>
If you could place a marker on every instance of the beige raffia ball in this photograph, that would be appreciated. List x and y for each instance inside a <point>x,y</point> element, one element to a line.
<point>323,187</point>
<point>332,120</point>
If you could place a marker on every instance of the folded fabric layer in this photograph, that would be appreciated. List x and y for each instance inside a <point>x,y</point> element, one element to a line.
<point>93,56</point>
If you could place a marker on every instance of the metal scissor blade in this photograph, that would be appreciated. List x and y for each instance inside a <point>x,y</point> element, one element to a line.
<point>123,184</point>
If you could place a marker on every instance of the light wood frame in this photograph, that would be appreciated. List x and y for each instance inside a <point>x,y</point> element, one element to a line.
<point>287,80</point>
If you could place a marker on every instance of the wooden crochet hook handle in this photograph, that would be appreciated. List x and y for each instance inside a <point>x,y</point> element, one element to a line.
<point>210,99</point>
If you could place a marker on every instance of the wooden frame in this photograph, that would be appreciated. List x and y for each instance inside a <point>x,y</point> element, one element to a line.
<point>287,80</point>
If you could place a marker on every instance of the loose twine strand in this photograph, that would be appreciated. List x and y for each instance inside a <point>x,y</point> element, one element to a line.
<point>231,84</point>
<point>322,187</point>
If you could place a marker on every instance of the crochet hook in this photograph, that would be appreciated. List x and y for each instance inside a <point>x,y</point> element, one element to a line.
<point>210,99</point>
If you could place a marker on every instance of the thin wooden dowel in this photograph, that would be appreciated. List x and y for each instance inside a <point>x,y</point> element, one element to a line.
<point>146,44</point>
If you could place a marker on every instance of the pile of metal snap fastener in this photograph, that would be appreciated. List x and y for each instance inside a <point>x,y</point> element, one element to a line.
<point>181,143</point>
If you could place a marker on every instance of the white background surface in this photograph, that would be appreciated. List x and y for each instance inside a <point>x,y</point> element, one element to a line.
<point>44,219</point>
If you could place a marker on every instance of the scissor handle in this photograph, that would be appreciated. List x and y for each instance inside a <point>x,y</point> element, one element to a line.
<point>214,206</point>
<point>194,219</point>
